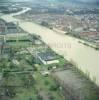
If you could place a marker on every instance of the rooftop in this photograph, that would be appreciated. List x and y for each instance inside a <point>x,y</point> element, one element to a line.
<point>47,56</point>
<point>10,24</point>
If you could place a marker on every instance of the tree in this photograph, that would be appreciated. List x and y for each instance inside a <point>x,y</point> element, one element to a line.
<point>54,87</point>
<point>39,97</point>
<point>29,81</point>
<point>6,75</point>
<point>30,98</point>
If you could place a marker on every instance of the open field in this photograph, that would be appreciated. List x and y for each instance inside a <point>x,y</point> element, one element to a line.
<point>76,84</point>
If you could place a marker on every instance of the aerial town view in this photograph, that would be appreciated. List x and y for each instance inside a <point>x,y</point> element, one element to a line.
<point>49,50</point>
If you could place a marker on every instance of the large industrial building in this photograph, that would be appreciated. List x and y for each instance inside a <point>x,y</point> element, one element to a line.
<point>9,28</point>
<point>48,58</point>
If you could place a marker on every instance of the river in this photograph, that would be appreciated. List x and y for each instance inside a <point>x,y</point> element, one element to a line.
<point>86,58</point>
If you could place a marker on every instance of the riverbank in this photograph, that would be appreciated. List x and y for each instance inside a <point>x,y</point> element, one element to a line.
<point>85,42</point>
<point>81,40</point>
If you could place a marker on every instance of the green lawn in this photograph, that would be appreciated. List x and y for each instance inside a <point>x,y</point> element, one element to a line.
<point>20,44</point>
<point>26,94</point>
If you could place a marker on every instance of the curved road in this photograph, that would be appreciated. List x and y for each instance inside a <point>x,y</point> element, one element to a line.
<point>86,58</point>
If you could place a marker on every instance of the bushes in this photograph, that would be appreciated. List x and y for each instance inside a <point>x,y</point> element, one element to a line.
<point>46,82</point>
<point>39,97</point>
<point>54,87</point>
<point>10,91</point>
<point>51,98</point>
